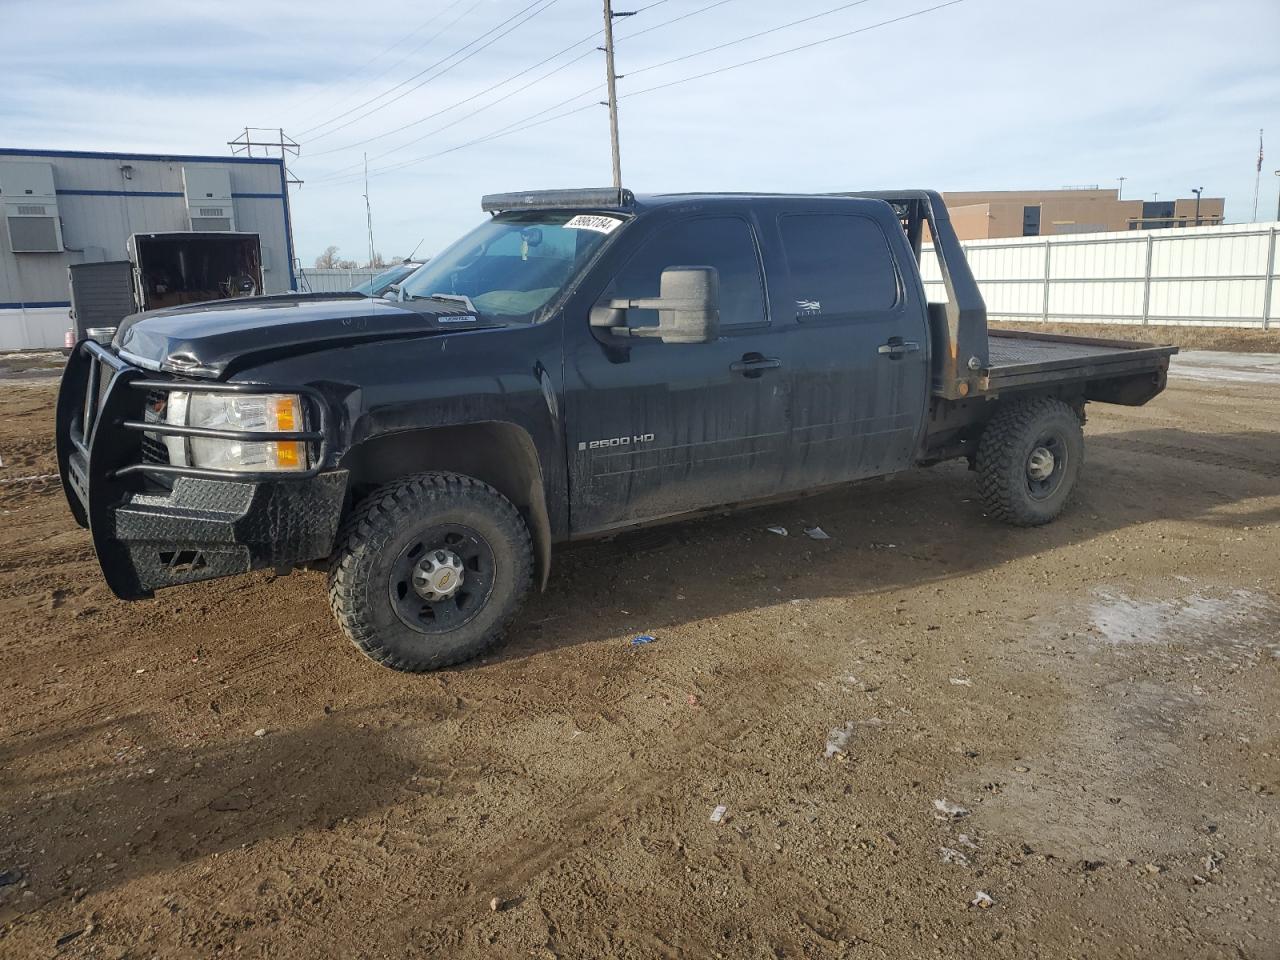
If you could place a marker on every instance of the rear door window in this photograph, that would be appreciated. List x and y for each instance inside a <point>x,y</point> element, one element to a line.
<point>726,243</point>
<point>839,266</point>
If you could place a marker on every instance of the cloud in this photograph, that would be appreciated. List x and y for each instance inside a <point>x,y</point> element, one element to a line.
<point>987,94</point>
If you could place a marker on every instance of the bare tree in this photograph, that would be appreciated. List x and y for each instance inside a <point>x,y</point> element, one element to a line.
<point>329,260</point>
<point>377,263</point>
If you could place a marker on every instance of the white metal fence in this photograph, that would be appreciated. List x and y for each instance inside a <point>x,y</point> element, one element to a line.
<point>327,280</point>
<point>1225,276</point>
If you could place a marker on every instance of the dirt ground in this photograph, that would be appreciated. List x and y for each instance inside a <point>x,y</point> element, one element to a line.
<point>218,772</point>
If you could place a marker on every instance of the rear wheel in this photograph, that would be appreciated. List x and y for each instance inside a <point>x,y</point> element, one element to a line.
<point>1028,460</point>
<point>429,571</point>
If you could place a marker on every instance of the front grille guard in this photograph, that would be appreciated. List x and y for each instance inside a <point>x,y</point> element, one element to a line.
<point>82,429</point>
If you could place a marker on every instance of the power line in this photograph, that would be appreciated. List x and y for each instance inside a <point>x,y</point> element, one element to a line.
<point>406,37</point>
<point>546,4</point>
<point>803,46</point>
<point>475,96</point>
<point>351,94</point>
<point>750,36</point>
<point>510,94</point>
<point>519,127</point>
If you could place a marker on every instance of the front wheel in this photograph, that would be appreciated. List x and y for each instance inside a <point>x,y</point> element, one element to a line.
<point>1028,460</point>
<point>429,571</point>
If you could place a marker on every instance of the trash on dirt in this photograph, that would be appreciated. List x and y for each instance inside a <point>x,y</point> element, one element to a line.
<point>231,803</point>
<point>66,938</point>
<point>780,531</point>
<point>718,814</point>
<point>967,841</point>
<point>643,638</point>
<point>838,739</point>
<point>982,901</point>
<point>948,810</point>
<point>961,682</point>
<point>10,877</point>
<point>260,732</point>
<point>883,546</point>
<point>817,533</point>
<point>948,855</point>
<point>496,904</point>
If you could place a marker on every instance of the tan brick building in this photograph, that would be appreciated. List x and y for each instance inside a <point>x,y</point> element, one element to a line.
<point>978,215</point>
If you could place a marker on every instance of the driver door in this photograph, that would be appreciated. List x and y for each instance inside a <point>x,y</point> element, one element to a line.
<point>657,429</point>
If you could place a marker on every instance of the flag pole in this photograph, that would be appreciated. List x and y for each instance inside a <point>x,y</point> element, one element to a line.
<point>1257,179</point>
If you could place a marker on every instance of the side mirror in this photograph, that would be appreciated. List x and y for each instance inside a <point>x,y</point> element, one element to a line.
<point>688,305</point>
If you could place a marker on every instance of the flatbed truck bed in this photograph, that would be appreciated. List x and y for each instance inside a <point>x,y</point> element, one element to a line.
<point>1020,358</point>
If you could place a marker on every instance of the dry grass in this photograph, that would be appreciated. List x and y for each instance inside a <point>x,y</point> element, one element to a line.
<point>1188,337</point>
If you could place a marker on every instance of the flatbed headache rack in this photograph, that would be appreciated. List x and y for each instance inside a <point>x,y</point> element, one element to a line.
<point>971,360</point>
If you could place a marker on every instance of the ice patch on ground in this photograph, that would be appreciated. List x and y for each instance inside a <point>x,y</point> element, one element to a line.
<point>1215,366</point>
<point>1242,619</point>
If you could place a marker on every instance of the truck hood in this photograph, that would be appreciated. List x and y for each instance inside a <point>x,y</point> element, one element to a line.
<point>204,339</point>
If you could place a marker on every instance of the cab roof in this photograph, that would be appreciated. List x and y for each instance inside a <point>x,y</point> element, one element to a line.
<point>607,198</point>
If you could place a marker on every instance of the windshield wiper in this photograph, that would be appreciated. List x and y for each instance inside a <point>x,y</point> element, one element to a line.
<point>461,298</point>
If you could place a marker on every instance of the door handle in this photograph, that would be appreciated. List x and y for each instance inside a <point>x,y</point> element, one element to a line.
<point>897,347</point>
<point>753,365</point>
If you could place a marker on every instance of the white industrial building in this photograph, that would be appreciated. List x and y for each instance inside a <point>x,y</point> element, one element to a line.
<point>63,207</point>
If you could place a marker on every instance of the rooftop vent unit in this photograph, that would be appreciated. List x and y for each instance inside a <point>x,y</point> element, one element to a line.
<point>30,207</point>
<point>209,203</point>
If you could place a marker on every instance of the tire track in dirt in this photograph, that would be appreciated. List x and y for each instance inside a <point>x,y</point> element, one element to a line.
<point>1203,456</point>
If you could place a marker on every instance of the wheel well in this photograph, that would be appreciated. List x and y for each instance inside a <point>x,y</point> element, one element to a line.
<point>499,454</point>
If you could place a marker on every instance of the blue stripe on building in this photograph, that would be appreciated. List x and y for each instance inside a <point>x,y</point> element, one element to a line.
<point>35,305</point>
<point>119,193</point>
<point>159,193</point>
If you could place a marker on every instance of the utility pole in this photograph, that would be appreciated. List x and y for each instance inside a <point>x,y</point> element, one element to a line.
<point>1120,192</point>
<point>612,102</point>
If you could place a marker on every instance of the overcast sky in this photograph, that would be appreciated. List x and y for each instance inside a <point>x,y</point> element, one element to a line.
<point>982,94</point>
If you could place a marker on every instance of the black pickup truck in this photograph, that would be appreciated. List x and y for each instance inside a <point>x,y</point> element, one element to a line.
<point>582,362</point>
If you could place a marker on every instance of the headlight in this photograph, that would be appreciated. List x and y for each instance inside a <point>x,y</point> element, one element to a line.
<point>262,412</point>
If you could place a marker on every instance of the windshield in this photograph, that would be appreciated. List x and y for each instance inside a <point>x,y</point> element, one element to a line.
<point>512,267</point>
<point>380,282</point>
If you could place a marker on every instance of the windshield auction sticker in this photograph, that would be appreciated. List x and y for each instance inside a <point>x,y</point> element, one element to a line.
<point>592,221</point>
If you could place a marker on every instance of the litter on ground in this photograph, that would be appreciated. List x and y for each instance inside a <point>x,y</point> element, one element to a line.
<point>643,638</point>
<point>817,533</point>
<point>717,815</point>
<point>780,531</point>
<point>948,810</point>
<point>982,901</point>
<point>838,739</point>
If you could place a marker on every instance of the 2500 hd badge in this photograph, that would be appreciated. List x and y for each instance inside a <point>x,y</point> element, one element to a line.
<point>639,438</point>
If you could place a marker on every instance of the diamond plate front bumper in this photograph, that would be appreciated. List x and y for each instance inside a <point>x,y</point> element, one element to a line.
<point>190,526</point>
